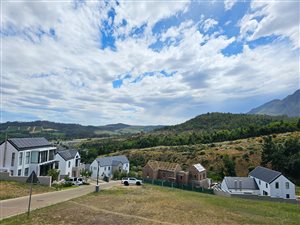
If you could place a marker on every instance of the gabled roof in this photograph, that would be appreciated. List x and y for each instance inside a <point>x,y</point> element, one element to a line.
<point>67,154</point>
<point>28,143</point>
<point>245,182</point>
<point>264,174</point>
<point>199,167</point>
<point>112,160</point>
<point>157,165</point>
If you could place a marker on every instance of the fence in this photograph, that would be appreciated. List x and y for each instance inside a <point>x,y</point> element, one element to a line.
<point>165,183</point>
<point>44,180</point>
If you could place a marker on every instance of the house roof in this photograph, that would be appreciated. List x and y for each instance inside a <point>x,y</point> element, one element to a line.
<point>112,160</point>
<point>246,182</point>
<point>264,174</point>
<point>28,143</point>
<point>199,167</point>
<point>157,165</point>
<point>67,154</point>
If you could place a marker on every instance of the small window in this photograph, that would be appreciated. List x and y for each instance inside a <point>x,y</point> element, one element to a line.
<point>287,196</point>
<point>26,171</point>
<point>69,164</point>
<point>11,172</point>
<point>20,158</point>
<point>109,168</point>
<point>195,176</point>
<point>259,182</point>
<point>104,168</point>
<point>266,185</point>
<point>287,185</point>
<point>276,185</point>
<point>13,155</point>
<point>27,157</point>
<point>19,172</point>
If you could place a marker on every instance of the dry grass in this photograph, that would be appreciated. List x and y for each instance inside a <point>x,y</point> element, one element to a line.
<point>155,205</point>
<point>13,189</point>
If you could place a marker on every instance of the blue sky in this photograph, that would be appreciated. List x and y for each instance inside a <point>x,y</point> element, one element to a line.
<point>145,62</point>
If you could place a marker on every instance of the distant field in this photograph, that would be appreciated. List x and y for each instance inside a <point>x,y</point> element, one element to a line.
<point>156,205</point>
<point>12,189</point>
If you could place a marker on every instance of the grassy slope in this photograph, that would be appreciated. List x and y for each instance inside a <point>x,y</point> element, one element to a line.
<point>155,205</point>
<point>13,189</point>
<point>210,155</point>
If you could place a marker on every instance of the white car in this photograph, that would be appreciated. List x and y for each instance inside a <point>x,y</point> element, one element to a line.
<point>75,180</point>
<point>131,180</point>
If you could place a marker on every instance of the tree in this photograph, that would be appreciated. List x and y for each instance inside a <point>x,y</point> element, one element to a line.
<point>86,174</point>
<point>54,174</point>
<point>268,149</point>
<point>229,166</point>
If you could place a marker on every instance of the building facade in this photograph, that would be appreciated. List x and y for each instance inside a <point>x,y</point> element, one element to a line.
<point>21,156</point>
<point>108,165</point>
<point>273,183</point>
<point>68,163</point>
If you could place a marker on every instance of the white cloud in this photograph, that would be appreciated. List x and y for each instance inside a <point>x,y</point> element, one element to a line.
<point>69,78</point>
<point>278,18</point>
<point>228,4</point>
<point>209,23</point>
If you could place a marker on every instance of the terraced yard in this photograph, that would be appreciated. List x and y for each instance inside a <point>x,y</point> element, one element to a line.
<point>155,205</point>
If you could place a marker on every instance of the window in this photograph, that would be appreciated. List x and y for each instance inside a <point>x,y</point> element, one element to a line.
<point>13,155</point>
<point>259,182</point>
<point>69,164</point>
<point>287,185</point>
<point>56,165</point>
<point>27,157</point>
<point>26,171</point>
<point>11,172</point>
<point>195,176</point>
<point>180,177</point>
<point>44,155</point>
<point>109,168</point>
<point>35,157</point>
<point>20,158</point>
<point>287,196</point>
<point>266,185</point>
<point>276,185</point>
<point>19,172</point>
<point>104,168</point>
<point>51,154</point>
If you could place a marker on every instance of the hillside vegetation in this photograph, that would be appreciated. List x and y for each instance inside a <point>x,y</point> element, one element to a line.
<point>221,159</point>
<point>61,131</point>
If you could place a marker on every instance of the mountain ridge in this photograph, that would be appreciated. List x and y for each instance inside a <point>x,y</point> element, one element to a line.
<point>289,106</point>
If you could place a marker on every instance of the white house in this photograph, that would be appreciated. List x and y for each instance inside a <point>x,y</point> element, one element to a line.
<point>68,162</point>
<point>240,185</point>
<point>272,183</point>
<point>21,156</point>
<point>107,166</point>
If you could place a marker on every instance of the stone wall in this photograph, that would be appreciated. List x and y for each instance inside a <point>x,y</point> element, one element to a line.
<point>44,180</point>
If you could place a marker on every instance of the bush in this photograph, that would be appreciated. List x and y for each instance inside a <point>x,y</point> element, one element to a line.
<point>54,174</point>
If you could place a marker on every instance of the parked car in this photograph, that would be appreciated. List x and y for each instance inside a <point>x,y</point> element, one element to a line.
<point>75,180</point>
<point>131,180</point>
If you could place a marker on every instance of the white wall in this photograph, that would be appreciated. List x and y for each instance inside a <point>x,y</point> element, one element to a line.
<point>10,149</point>
<point>126,167</point>
<point>63,165</point>
<point>282,191</point>
<point>263,186</point>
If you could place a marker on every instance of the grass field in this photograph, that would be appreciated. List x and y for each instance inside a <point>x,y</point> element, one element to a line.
<point>155,205</point>
<point>13,189</point>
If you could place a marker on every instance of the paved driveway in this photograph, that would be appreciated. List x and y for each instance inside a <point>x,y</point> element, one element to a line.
<point>12,207</point>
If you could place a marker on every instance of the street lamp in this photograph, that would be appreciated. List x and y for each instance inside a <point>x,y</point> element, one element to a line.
<point>97,186</point>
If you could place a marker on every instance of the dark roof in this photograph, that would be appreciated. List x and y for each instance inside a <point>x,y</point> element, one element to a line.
<point>112,160</point>
<point>29,143</point>
<point>246,182</point>
<point>67,154</point>
<point>264,174</point>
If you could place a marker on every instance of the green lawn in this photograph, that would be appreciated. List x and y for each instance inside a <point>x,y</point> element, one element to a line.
<point>155,205</point>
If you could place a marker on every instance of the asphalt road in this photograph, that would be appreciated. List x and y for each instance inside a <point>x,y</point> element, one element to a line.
<point>12,207</point>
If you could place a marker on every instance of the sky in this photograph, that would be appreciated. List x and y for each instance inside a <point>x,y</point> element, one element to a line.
<point>144,62</point>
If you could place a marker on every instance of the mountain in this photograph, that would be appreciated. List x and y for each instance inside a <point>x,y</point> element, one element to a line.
<point>52,130</point>
<point>222,121</point>
<point>289,106</point>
